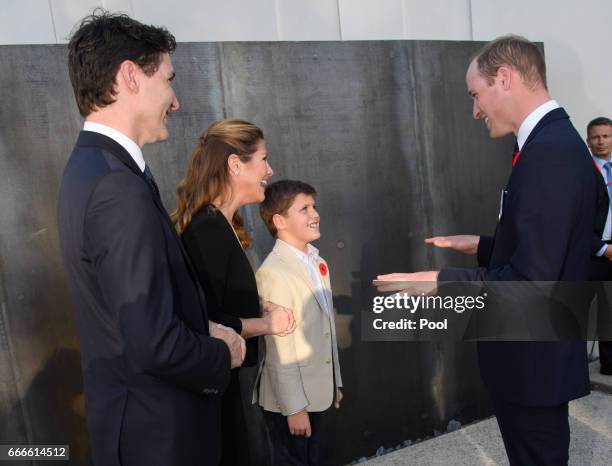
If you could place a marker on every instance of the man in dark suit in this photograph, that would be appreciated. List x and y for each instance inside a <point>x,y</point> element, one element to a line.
<point>599,140</point>
<point>545,233</point>
<point>152,370</point>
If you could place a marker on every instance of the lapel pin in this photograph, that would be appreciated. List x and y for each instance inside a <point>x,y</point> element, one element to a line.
<point>323,269</point>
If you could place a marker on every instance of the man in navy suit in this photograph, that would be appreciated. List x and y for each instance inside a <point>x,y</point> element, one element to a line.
<point>599,140</point>
<point>152,370</point>
<point>545,233</point>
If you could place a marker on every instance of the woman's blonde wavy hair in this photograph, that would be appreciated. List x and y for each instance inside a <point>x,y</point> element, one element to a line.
<point>207,176</point>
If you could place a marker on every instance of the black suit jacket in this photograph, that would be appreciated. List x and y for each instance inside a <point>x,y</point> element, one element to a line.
<point>224,272</point>
<point>152,374</point>
<point>545,234</point>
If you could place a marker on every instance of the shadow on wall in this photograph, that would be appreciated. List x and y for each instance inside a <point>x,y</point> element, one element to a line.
<point>56,395</point>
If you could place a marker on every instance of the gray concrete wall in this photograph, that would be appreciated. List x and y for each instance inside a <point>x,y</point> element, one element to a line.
<point>382,129</point>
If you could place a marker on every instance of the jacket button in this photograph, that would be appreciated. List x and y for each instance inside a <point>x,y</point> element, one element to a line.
<point>328,361</point>
<point>327,335</point>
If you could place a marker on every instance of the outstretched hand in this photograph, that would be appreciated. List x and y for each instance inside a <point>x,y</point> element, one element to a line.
<point>467,244</point>
<point>410,283</point>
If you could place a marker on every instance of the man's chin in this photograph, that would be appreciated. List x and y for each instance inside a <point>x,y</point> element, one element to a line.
<point>157,138</point>
<point>495,133</point>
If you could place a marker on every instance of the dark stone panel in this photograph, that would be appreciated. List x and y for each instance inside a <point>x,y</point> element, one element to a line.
<point>384,132</point>
<point>38,122</point>
<point>382,129</point>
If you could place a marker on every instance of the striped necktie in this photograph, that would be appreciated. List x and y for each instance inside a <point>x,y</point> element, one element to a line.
<point>608,171</point>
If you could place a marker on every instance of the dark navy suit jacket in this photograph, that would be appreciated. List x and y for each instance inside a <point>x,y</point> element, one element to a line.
<point>545,234</point>
<point>152,374</point>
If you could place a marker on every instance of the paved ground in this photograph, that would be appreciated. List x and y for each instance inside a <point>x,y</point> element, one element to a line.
<point>480,444</point>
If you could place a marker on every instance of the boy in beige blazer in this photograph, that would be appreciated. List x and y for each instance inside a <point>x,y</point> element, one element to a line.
<point>300,377</point>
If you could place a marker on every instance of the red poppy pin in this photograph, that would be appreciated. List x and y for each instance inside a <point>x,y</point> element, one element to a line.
<point>323,269</point>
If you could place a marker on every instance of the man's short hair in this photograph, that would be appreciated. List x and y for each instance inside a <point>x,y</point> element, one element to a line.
<point>599,121</point>
<point>279,197</point>
<point>516,52</point>
<point>100,44</point>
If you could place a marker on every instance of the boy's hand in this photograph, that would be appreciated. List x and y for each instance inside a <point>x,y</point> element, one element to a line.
<point>339,397</point>
<point>280,320</point>
<point>299,424</point>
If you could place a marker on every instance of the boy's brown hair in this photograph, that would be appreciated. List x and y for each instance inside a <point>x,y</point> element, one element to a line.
<point>279,197</point>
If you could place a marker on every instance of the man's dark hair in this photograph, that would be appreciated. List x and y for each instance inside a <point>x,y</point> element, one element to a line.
<point>599,121</point>
<point>100,44</point>
<point>279,197</point>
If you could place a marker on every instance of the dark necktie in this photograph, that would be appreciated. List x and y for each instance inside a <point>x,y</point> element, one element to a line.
<point>149,176</point>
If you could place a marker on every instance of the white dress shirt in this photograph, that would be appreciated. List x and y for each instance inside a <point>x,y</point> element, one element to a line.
<point>532,120</point>
<point>310,261</point>
<point>120,138</point>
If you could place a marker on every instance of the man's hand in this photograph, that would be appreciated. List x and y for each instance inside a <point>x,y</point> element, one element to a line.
<point>410,283</point>
<point>467,244</point>
<point>299,424</point>
<point>279,319</point>
<point>339,397</point>
<point>234,342</point>
<point>608,253</point>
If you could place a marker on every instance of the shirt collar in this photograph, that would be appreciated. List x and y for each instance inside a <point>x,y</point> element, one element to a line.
<point>311,255</point>
<point>599,161</point>
<point>130,146</point>
<point>532,120</point>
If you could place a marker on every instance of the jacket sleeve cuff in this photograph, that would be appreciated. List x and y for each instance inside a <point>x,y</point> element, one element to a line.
<point>483,255</point>
<point>602,250</point>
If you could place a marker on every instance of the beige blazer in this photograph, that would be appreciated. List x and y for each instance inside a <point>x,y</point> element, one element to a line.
<point>299,370</point>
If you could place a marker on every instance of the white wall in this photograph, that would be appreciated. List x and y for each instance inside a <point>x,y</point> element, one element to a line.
<point>575,34</point>
<point>577,40</point>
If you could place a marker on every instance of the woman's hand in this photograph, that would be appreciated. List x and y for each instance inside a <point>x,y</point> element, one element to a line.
<point>279,319</point>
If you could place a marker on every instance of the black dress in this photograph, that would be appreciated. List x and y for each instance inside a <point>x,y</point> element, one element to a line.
<point>231,293</point>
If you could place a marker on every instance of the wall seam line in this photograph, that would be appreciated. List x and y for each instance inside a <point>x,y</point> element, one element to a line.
<point>339,19</point>
<point>279,33</point>
<point>404,22</point>
<point>52,21</point>
<point>470,12</point>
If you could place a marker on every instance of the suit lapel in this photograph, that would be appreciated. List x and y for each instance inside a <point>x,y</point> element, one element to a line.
<point>295,265</point>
